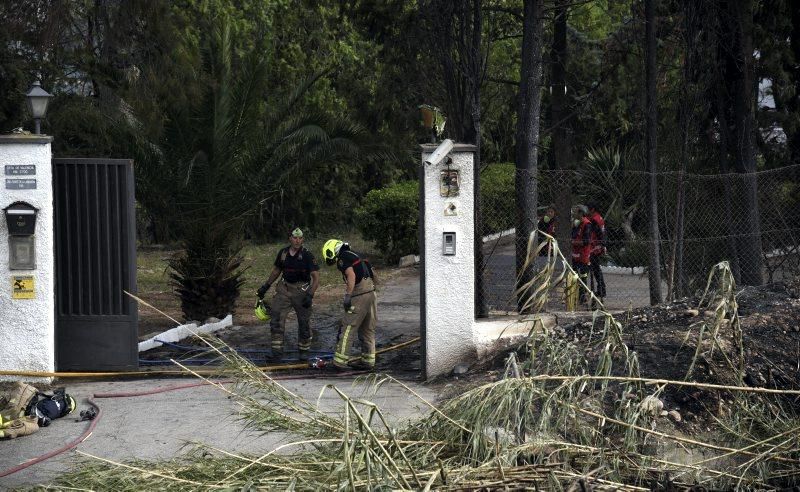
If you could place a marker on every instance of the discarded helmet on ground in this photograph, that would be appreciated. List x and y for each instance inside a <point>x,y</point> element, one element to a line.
<point>262,310</point>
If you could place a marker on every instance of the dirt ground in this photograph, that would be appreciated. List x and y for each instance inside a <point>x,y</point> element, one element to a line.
<point>398,321</point>
<point>664,339</point>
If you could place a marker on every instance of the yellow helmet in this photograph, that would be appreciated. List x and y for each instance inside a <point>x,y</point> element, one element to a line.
<point>330,250</point>
<point>262,310</point>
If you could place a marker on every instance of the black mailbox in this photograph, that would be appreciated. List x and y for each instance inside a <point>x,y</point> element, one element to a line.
<point>21,218</point>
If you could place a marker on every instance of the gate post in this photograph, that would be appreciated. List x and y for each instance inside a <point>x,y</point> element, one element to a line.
<point>447,233</point>
<point>27,299</point>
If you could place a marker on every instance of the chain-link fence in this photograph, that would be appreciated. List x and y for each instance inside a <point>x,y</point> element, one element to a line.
<point>751,220</point>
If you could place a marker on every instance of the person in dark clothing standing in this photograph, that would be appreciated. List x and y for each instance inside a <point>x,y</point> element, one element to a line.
<point>598,249</point>
<point>581,246</point>
<point>300,280</point>
<point>547,224</point>
<point>360,304</point>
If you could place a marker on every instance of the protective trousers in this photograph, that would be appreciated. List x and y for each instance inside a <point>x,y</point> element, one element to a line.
<point>290,296</point>
<point>22,426</point>
<point>360,319</point>
<point>597,273</point>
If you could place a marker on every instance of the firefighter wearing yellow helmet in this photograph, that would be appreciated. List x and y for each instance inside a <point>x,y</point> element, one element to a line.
<point>299,274</point>
<point>360,304</point>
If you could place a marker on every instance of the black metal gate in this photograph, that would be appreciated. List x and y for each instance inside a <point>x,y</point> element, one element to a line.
<point>95,248</point>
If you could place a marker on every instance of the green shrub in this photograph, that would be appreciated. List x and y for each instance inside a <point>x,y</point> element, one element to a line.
<point>497,198</point>
<point>388,216</point>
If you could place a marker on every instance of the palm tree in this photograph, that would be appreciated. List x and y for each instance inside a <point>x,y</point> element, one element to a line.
<point>216,163</point>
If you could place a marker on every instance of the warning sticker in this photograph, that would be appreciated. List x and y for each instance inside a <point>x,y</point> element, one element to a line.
<point>22,287</point>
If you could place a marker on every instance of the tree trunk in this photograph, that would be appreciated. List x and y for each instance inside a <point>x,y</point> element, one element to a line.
<point>724,169</point>
<point>686,109</point>
<point>562,148</point>
<point>651,116</point>
<point>527,133</point>
<point>749,242</point>
<point>476,66</point>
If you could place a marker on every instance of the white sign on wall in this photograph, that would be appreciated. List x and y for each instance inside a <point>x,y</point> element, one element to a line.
<point>20,169</point>
<point>20,183</point>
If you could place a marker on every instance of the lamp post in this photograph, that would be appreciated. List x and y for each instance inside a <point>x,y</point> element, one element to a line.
<point>38,99</point>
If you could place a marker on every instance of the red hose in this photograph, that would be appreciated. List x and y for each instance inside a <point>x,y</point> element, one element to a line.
<point>94,421</point>
<point>60,450</point>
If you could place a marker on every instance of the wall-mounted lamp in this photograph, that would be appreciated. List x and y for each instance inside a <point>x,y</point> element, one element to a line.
<point>38,99</point>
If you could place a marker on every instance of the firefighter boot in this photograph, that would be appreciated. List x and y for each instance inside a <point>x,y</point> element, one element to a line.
<point>361,365</point>
<point>277,350</point>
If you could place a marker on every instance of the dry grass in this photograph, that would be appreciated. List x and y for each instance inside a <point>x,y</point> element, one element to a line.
<point>555,421</point>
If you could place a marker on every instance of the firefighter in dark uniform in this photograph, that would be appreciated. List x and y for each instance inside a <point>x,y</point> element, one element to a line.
<point>360,305</point>
<point>300,280</point>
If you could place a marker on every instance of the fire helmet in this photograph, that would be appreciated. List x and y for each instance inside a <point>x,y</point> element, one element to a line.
<point>262,310</point>
<point>330,250</point>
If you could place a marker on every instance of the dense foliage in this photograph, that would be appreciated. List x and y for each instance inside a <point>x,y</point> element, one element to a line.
<point>126,75</point>
<point>389,216</point>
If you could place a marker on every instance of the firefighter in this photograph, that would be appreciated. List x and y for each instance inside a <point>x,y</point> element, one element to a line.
<point>581,246</point>
<point>360,305</point>
<point>547,224</point>
<point>299,274</point>
<point>598,243</point>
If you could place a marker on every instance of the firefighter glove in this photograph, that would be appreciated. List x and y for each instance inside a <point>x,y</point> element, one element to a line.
<point>263,290</point>
<point>346,303</point>
<point>308,300</point>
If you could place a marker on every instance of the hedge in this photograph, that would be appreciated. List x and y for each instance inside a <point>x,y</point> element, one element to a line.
<point>388,216</point>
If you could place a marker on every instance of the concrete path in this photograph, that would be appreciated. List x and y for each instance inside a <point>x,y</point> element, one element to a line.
<point>159,426</point>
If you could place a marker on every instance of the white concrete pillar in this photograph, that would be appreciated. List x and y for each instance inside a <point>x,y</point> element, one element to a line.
<point>448,277</point>
<point>27,294</point>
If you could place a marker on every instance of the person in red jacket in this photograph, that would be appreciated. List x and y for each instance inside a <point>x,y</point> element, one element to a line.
<point>598,248</point>
<point>581,245</point>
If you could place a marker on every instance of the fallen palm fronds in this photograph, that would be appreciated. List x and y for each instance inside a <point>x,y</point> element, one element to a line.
<point>556,420</point>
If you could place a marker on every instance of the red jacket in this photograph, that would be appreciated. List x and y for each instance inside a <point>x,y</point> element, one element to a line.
<point>598,234</point>
<point>581,242</point>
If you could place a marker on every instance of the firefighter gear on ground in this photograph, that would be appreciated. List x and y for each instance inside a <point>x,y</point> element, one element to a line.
<point>22,426</point>
<point>25,409</point>
<point>16,404</point>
